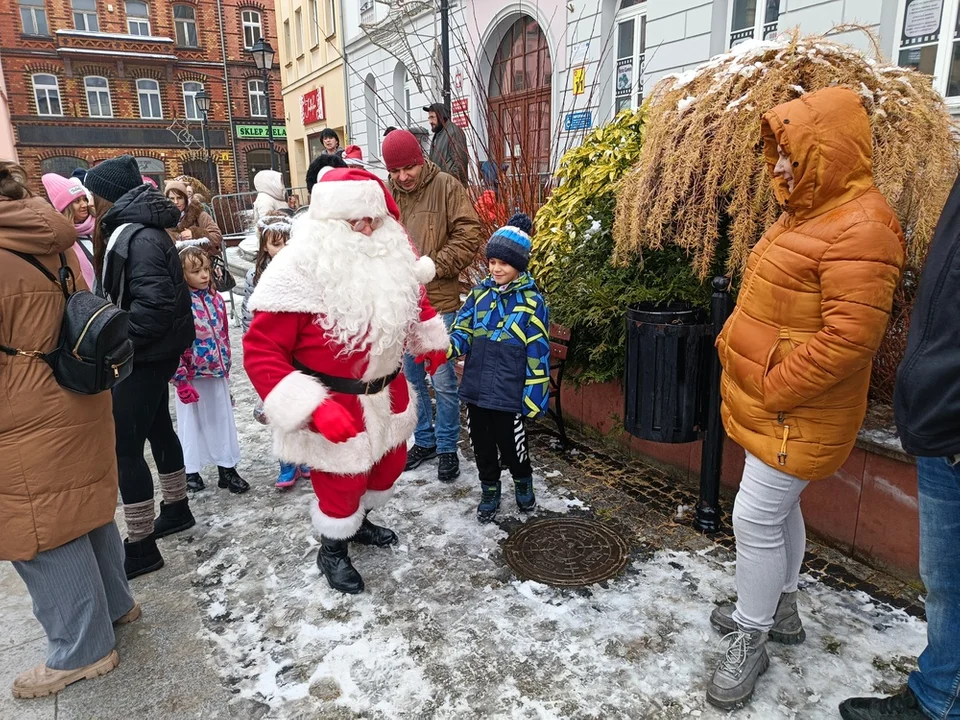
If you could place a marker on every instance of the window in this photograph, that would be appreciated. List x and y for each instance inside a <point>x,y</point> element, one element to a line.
<point>298,30</point>
<point>85,15</point>
<point>148,92</point>
<point>314,23</point>
<point>138,18</point>
<point>62,165</point>
<point>258,98</point>
<point>46,91</point>
<point>33,16</point>
<point>330,7</point>
<point>185,21</point>
<point>753,18</point>
<point>927,45</point>
<point>401,97</point>
<point>252,27</point>
<point>190,90</point>
<point>287,45</point>
<point>98,96</point>
<point>631,51</point>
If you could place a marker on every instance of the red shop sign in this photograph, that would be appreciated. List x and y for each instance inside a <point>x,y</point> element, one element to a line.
<point>312,107</point>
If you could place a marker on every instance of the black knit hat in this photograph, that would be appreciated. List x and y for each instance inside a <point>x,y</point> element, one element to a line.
<point>114,178</point>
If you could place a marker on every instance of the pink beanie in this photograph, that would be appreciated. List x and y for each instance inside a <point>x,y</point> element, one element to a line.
<point>148,181</point>
<point>62,191</point>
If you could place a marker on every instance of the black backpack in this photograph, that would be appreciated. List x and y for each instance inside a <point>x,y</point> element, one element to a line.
<point>94,352</point>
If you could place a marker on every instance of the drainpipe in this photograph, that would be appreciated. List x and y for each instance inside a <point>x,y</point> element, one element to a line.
<point>346,75</point>
<point>8,147</point>
<point>226,84</point>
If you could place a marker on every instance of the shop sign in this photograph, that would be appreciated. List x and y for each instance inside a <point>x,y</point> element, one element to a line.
<point>922,18</point>
<point>259,132</point>
<point>461,112</point>
<point>581,120</point>
<point>312,107</point>
<point>578,55</point>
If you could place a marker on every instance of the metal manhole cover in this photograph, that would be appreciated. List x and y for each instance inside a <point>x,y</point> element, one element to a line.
<point>566,552</point>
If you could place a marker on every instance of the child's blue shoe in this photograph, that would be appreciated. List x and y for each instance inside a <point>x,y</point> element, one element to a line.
<point>523,490</point>
<point>288,476</point>
<point>489,501</point>
<point>303,472</point>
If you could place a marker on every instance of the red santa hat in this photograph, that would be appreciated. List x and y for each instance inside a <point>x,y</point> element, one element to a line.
<point>353,193</point>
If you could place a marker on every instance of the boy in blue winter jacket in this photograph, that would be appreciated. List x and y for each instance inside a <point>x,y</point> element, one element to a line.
<point>503,328</point>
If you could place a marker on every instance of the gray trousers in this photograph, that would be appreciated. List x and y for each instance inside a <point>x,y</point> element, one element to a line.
<point>78,590</point>
<point>771,541</point>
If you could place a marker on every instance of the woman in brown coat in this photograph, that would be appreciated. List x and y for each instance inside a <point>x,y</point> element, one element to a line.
<point>195,222</point>
<point>58,490</point>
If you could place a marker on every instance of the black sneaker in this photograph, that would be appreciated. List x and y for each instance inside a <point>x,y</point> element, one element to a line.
<point>418,455</point>
<point>489,502</point>
<point>449,469</point>
<point>902,707</point>
<point>195,482</point>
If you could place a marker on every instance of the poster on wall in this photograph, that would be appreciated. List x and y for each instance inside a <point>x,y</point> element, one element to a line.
<point>312,108</point>
<point>578,53</point>
<point>624,77</point>
<point>921,21</point>
<point>461,113</point>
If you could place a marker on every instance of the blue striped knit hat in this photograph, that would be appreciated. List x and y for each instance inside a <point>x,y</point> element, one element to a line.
<point>511,243</point>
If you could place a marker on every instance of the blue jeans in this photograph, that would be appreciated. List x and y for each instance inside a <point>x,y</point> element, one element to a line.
<point>937,683</point>
<point>447,431</point>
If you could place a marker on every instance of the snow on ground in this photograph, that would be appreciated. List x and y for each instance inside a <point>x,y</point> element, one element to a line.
<point>445,630</point>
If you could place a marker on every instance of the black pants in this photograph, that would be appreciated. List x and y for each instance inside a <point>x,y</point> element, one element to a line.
<point>141,412</point>
<point>497,435</point>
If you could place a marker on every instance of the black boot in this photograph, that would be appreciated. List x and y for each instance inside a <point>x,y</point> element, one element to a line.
<point>370,534</point>
<point>195,482</point>
<point>175,517</point>
<point>231,480</point>
<point>334,563</point>
<point>142,557</point>
<point>902,707</point>
<point>448,469</point>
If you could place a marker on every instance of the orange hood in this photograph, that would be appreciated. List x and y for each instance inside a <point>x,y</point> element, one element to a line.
<point>827,136</point>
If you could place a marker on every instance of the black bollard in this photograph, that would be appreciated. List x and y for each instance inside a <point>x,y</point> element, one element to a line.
<point>711,459</point>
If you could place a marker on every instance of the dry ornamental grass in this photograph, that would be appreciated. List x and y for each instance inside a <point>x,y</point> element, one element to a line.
<point>702,158</point>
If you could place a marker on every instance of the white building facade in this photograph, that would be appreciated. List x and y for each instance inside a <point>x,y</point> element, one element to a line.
<point>530,78</point>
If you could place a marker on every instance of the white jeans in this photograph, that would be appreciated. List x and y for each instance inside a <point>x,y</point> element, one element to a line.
<point>771,540</point>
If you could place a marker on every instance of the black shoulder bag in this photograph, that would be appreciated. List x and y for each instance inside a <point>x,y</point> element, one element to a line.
<point>94,352</point>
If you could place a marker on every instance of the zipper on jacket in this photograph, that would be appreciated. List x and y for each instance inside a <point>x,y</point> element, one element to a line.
<point>782,455</point>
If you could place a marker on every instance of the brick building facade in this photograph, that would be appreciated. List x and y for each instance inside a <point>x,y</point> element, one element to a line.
<point>91,79</point>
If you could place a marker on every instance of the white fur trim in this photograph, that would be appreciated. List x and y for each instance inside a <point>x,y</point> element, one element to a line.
<point>428,336</point>
<point>291,403</point>
<point>335,528</point>
<point>426,270</point>
<point>383,432</point>
<point>347,200</point>
<point>373,499</point>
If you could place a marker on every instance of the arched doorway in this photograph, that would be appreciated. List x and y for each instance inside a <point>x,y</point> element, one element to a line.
<point>519,113</point>
<point>258,160</point>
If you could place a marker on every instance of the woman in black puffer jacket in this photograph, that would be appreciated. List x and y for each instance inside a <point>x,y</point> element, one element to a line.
<point>140,271</point>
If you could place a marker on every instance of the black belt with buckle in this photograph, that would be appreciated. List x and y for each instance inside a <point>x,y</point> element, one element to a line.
<point>348,386</point>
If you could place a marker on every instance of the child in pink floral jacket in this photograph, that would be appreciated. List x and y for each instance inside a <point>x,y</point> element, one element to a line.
<point>205,423</point>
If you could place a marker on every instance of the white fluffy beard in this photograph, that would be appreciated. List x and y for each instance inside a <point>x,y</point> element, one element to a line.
<point>369,285</point>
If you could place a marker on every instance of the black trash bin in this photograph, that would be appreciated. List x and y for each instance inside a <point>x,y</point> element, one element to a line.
<point>667,349</point>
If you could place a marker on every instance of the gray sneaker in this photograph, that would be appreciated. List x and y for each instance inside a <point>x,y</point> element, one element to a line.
<point>787,628</point>
<point>734,679</point>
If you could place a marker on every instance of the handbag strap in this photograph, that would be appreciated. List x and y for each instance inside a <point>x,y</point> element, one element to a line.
<point>65,275</point>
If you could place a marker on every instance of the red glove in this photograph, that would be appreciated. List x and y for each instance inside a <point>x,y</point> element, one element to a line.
<point>187,393</point>
<point>433,360</point>
<point>334,422</point>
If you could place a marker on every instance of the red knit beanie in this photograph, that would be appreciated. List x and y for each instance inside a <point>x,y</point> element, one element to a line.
<point>401,149</point>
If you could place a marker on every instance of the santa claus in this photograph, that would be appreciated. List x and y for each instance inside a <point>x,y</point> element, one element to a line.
<point>333,315</point>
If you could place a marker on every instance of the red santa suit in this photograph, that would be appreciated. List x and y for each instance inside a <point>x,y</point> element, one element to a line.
<point>333,314</point>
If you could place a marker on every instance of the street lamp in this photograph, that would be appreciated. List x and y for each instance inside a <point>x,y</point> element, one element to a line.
<point>203,101</point>
<point>263,58</point>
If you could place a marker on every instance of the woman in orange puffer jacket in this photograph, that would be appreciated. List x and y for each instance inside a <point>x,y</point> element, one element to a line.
<point>796,356</point>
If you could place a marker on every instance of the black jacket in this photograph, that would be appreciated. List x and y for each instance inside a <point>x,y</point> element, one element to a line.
<point>144,276</point>
<point>927,395</point>
<point>448,150</point>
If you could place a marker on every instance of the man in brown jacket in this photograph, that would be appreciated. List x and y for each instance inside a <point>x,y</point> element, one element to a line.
<point>441,221</point>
